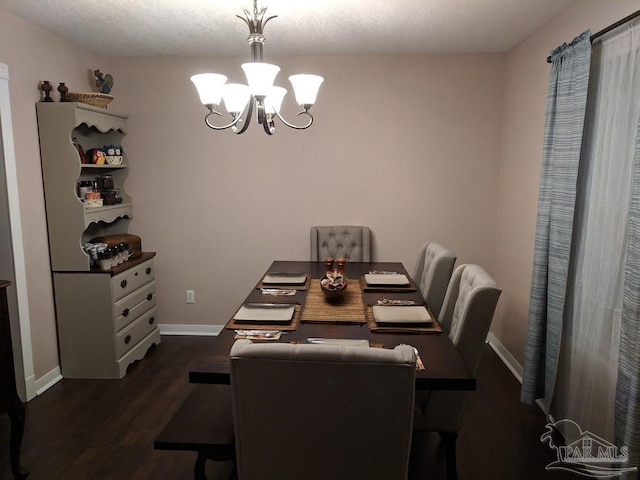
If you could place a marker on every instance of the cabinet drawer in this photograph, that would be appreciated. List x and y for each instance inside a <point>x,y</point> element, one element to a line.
<point>130,280</point>
<point>129,308</point>
<point>128,337</point>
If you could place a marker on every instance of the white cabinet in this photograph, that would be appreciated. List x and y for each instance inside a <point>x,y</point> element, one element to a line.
<point>105,322</point>
<point>106,319</point>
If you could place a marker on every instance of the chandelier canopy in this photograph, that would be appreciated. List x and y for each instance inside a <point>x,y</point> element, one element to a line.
<point>260,93</point>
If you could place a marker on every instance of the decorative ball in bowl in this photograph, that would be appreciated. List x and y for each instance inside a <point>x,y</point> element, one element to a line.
<point>333,286</point>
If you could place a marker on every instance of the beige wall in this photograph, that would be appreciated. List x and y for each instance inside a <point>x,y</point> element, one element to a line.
<point>526,79</point>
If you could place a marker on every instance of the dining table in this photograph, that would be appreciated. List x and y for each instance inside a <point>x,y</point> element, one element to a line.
<point>345,319</point>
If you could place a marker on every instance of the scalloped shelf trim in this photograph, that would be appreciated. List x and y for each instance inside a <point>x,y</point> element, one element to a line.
<point>107,214</point>
<point>102,129</point>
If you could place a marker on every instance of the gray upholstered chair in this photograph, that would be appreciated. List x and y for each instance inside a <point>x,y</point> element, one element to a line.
<point>466,315</point>
<point>348,241</point>
<point>319,412</point>
<point>432,273</point>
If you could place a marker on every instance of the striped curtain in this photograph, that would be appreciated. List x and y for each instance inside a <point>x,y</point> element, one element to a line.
<point>627,421</point>
<point>566,104</point>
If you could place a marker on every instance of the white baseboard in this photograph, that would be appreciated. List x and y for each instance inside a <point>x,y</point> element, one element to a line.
<point>203,330</point>
<point>30,387</point>
<point>505,355</point>
<point>48,380</point>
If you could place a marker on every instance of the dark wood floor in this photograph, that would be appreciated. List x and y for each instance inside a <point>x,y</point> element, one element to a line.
<point>104,429</point>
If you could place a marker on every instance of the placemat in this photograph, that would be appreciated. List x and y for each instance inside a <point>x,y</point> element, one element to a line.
<point>387,288</point>
<point>287,286</point>
<point>375,327</point>
<point>347,309</point>
<point>292,325</point>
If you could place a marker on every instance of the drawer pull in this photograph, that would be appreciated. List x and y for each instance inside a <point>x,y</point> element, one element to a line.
<point>123,284</point>
<point>127,339</point>
<point>151,320</point>
<point>149,296</point>
<point>148,270</point>
<point>125,312</point>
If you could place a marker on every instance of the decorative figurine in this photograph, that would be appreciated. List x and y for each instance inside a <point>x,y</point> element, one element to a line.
<point>46,87</point>
<point>63,89</point>
<point>112,149</point>
<point>103,82</point>
<point>96,156</point>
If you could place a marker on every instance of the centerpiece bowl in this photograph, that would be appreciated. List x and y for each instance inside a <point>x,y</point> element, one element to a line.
<point>333,286</point>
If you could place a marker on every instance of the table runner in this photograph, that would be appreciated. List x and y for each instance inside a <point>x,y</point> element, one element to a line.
<point>292,325</point>
<point>375,327</point>
<point>347,309</point>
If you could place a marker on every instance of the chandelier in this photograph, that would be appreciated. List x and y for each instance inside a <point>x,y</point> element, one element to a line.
<point>260,93</point>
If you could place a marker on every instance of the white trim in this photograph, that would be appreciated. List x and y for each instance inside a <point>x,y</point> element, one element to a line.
<point>16,231</point>
<point>48,380</point>
<point>505,355</point>
<point>177,329</point>
<point>31,390</point>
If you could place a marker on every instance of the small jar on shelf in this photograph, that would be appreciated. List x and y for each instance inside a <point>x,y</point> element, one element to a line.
<point>105,259</point>
<point>83,187</point>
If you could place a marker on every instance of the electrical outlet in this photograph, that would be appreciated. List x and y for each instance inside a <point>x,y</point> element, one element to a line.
<point>191,296</point>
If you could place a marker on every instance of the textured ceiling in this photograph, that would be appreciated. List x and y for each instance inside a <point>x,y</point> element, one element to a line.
<point>303,27</point>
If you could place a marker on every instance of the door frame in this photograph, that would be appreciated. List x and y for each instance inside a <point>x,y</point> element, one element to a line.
<point>26,380</point>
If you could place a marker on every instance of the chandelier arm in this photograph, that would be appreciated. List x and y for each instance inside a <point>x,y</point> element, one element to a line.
<point>213,111</point>
<point>297,127</point>
<point>247,120</point>
<point>269,127</point>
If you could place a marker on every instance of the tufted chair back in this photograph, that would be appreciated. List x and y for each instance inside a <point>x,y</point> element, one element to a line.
<point>466,315</point>
<point>347,241</point>
<point>468,310</point>
<point>320,412</point>
<point>432,274</point>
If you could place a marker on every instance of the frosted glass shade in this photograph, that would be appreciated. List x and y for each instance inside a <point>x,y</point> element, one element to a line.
<point>306,88</point>
<point>260,77</point>
<point>273,102</point>
<point>235,96</point>
<point>209,87</point>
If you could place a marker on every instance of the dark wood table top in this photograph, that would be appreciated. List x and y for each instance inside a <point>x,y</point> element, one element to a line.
<point>444,368</point>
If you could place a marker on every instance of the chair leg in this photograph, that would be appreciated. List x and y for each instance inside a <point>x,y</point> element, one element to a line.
<point>199,472</point>
<point>449,440</point>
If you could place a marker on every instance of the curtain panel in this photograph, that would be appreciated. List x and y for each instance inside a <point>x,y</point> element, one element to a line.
<point>566,105</point>
<point>627,414</point>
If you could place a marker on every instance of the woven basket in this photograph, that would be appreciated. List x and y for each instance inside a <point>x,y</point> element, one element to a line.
<point>94,99</point>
